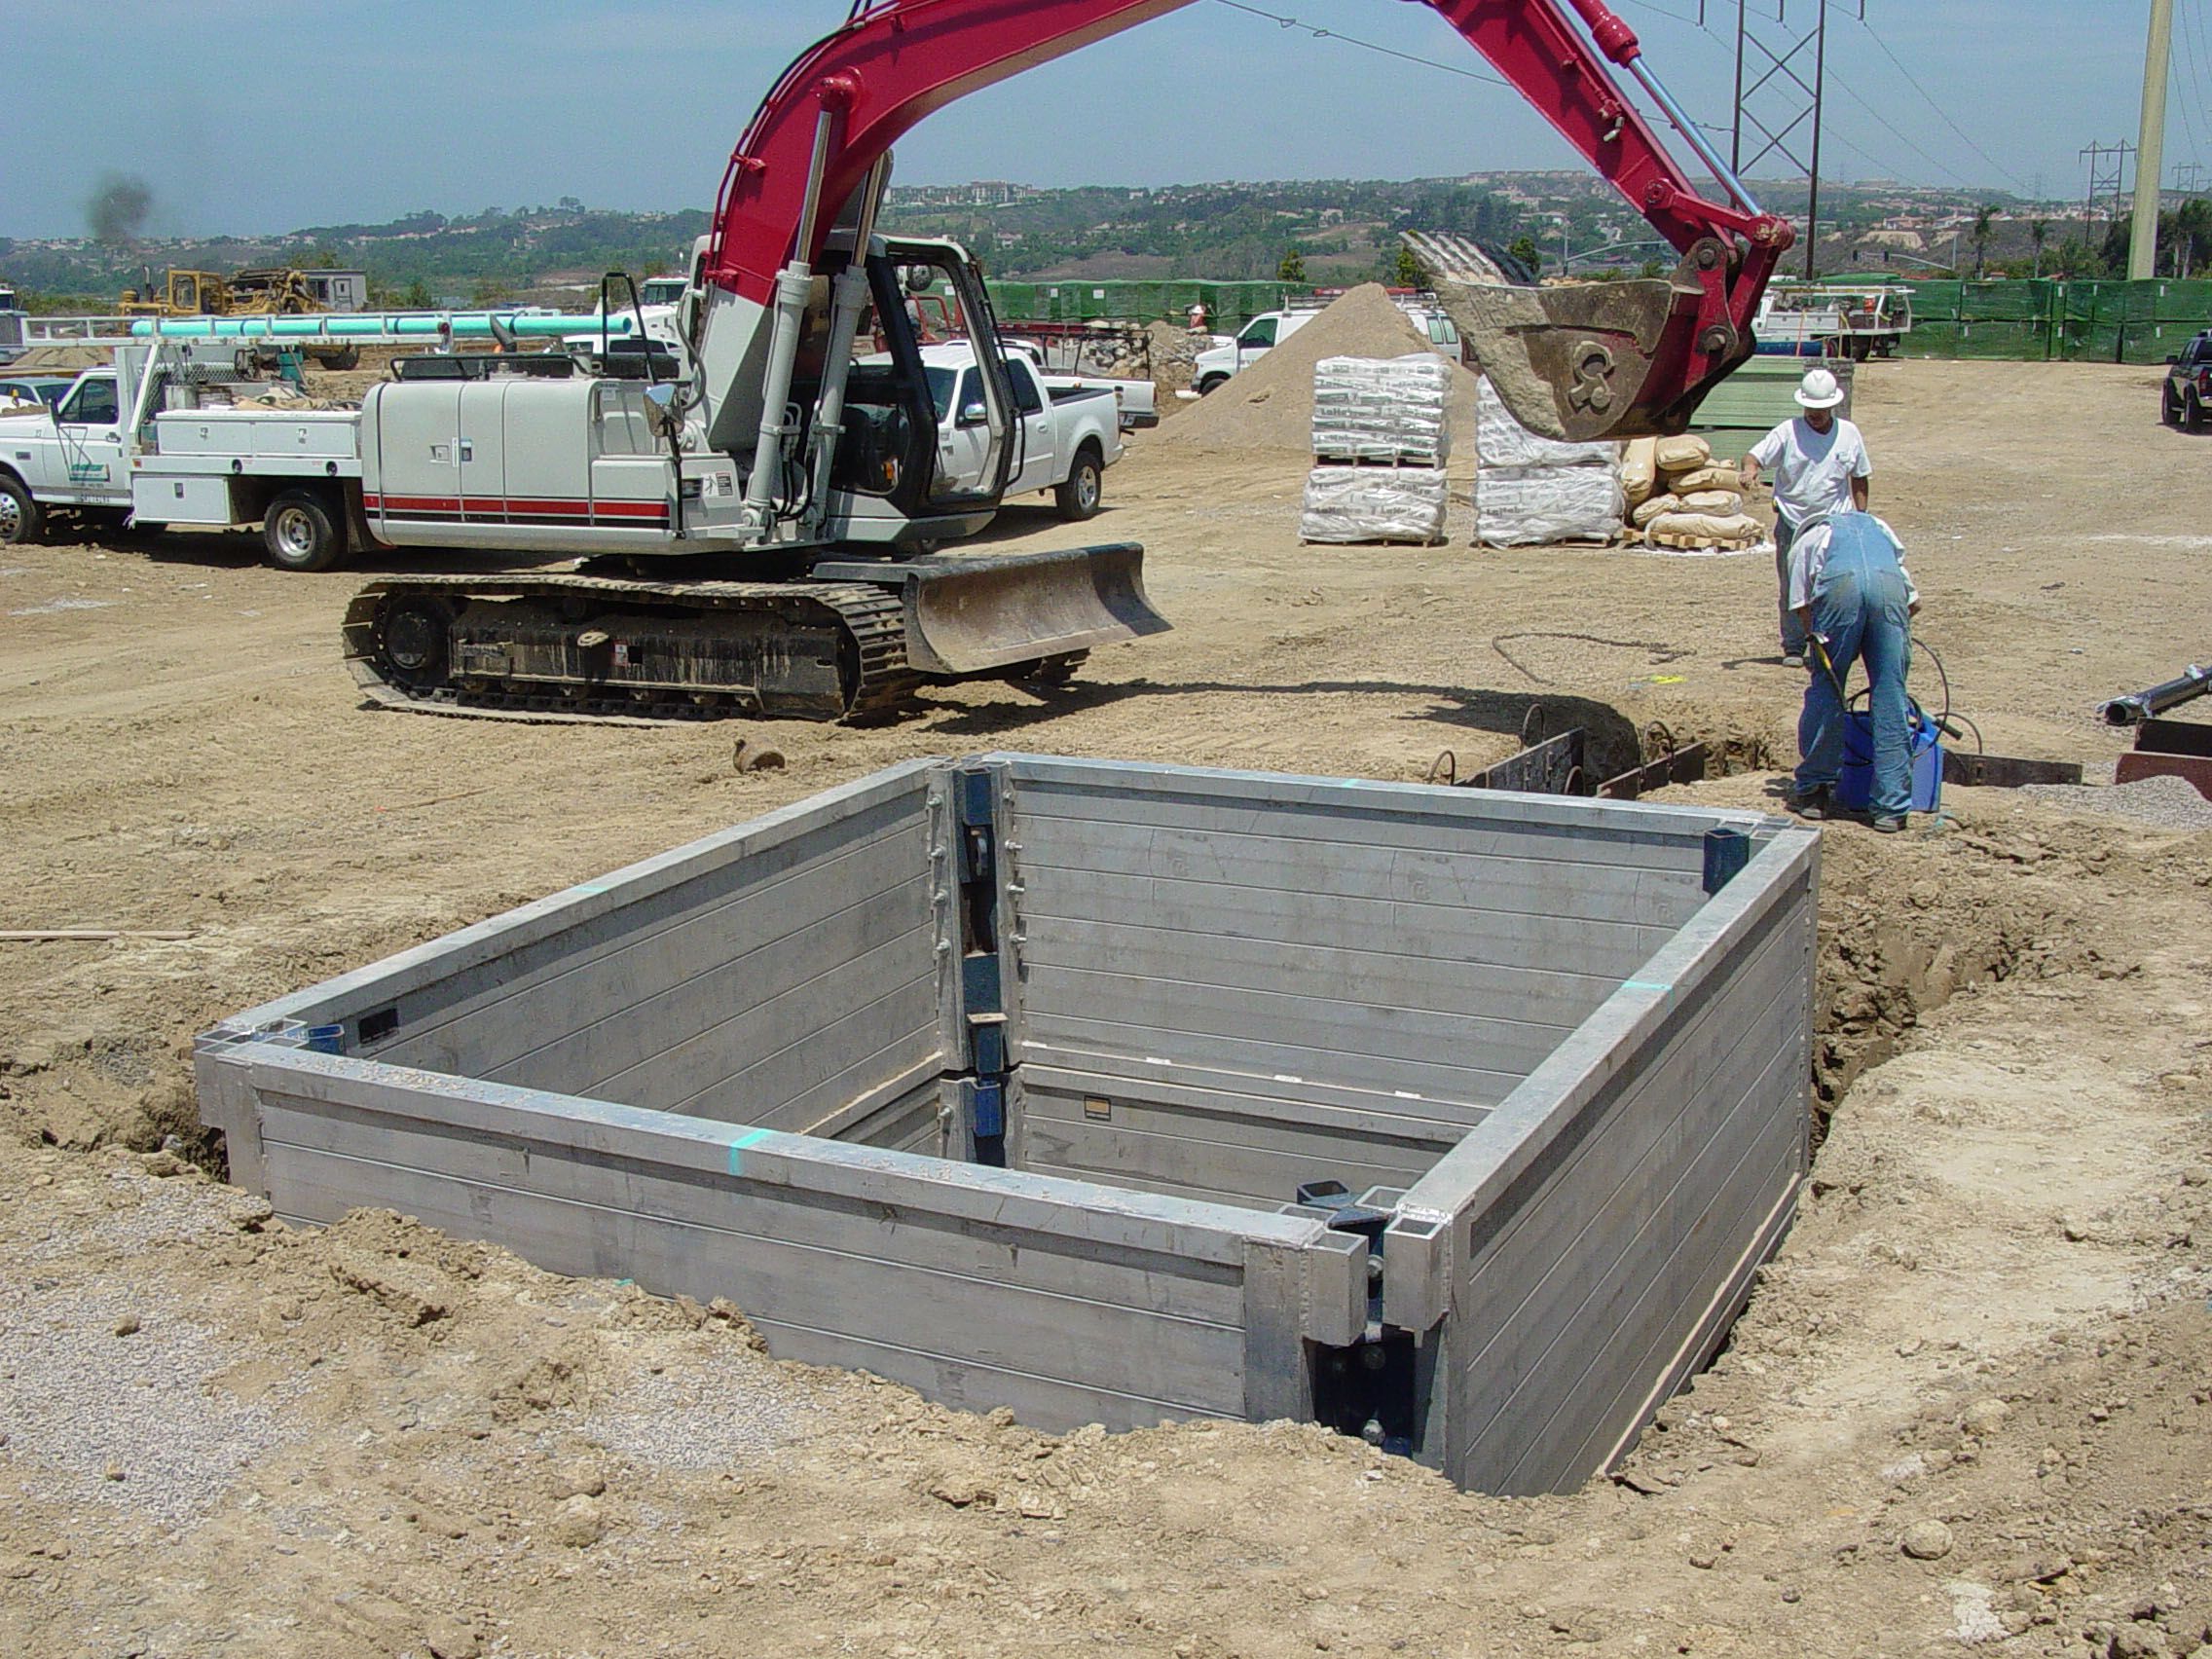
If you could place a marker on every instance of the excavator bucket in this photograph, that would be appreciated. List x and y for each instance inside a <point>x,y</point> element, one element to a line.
<point>974,615</point>
<point>1581,362</point>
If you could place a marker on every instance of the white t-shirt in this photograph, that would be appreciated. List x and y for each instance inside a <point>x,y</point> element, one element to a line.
<point>1812,470</point>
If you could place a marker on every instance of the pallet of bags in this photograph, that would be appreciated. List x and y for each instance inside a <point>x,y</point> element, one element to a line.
<point>1350,504</point>
<point>1388,410</point>
<point>1680,498</point>
<point>1530,490</point>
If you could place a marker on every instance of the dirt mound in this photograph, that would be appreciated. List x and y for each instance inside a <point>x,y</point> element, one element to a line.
<point>1270,406</point>
<point>58,359</point>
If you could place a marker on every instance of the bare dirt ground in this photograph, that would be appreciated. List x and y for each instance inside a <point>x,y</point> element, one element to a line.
<point>1971,1403</point>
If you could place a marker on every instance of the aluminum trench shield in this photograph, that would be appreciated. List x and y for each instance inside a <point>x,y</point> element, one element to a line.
<point>970,615</point>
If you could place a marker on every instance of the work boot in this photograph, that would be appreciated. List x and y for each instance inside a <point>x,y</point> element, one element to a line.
<point>1812,804</point>
<point>1889,826</point>
<point>1792,659</point>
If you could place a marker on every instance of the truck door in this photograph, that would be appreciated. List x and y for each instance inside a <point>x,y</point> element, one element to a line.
<point>1258,338</point>
<point>1036,462</point>
<point>963,435</point>
<point>89,424</point>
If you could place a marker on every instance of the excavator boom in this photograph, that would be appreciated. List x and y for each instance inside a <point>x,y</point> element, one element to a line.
<point>1629,360</point>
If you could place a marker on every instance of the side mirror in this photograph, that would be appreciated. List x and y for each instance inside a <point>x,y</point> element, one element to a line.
<point>2173,356</point>
<point>664,410</point>
<point>974,415</point>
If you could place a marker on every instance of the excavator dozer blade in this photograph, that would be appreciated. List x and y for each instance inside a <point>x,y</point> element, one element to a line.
<point>1589,361</point>
<point>973,616</point>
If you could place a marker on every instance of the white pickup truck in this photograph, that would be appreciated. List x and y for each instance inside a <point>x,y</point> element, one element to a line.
<point>1070,430</point>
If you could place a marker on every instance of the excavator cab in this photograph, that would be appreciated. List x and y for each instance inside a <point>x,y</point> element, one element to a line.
<point>896,424</point>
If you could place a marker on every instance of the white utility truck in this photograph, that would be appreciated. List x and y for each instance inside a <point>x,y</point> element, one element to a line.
<point>1212,367</point>
<point>158,439</point>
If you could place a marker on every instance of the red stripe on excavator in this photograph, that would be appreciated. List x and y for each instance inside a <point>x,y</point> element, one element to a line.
<point>485,506</point>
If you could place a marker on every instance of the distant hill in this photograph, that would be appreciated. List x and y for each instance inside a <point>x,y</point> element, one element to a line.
<point>1343,230</point>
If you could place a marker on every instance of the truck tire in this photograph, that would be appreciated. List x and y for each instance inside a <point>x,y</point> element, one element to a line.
<point>299,533</point>
<point>1077,495</point>
<point>2169,407</point>
<point>21,518</point>
<point>2192,414</point>
<point>1211,385</point>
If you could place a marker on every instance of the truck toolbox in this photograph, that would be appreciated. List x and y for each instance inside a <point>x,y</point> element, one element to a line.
<point>245,432</point>
<point>204,499</point>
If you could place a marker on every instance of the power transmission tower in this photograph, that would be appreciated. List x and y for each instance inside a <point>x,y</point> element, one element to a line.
<point>2108,176</point>
<point>2189,178</point>
<point>1782,72</point>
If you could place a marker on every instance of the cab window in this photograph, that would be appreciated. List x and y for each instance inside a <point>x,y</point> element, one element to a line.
<point>1026,397</point>
<point>1260,331</point>
<point>92,404</point>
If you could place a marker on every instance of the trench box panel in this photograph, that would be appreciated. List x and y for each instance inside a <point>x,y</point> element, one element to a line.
<point>1231,982</point>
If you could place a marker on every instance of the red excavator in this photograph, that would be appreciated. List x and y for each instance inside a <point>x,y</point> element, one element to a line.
<point>758,500</point>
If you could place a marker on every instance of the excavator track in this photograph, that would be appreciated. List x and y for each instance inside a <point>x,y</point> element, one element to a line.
<point>558,646</point>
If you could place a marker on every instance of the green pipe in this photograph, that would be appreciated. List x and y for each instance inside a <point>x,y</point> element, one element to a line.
<point>352,325</point>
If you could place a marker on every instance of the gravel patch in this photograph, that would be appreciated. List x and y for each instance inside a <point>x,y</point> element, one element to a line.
<point>170,1211</point>
<point>132,1422</point>
<point>2165,803</point>
<point>700,1420</point>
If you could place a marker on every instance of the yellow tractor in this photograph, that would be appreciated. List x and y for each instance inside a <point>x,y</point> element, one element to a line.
<point>269,292</point>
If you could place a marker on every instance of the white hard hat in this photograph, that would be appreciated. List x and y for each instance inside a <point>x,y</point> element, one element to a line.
<point>1819,390</point>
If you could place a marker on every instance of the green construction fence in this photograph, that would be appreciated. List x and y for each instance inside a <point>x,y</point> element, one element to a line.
<point>2058,322</point>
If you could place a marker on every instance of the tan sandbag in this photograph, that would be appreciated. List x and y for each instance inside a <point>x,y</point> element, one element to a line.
<point>1653,508</point>
<point>1714,503</point>
<point>1706,528</point>
<point>1640,469</point>
<point>1686,454</point>
<point>1720,476</point>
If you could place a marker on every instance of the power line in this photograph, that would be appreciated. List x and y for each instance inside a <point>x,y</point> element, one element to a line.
<point>2192,90</point>
<point>1883,122</point>
<point>1915,82</point>
<point>2200,57</point>
<point>1319,33</point>
<point>1678,17</point>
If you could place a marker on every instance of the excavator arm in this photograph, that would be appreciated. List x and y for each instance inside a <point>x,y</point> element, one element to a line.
<point>1604,360</point>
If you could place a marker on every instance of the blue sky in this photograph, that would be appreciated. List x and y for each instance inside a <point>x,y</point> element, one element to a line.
<point>247,116</point>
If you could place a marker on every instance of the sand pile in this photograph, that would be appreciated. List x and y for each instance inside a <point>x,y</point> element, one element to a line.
<point>58,359</point>
<point>1270,406</point>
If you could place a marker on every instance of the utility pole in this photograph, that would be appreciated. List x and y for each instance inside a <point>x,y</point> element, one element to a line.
<point>2149,147</point>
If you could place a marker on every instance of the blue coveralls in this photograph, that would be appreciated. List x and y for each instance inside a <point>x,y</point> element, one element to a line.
<point>1862,607</point>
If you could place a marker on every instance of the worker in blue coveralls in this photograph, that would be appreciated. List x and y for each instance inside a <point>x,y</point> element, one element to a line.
<point>1819,461</point>
<point>1852,596</point>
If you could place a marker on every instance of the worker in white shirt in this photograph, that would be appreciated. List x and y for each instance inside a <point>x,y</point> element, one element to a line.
<point>1853,596</point>
<point>1820,464</point>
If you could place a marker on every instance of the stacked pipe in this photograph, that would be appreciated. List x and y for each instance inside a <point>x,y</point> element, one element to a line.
<point>1680,497</point>
<point>1530,491</point>
<point>1382,434</point>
